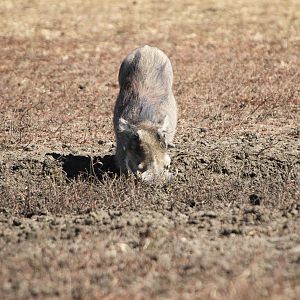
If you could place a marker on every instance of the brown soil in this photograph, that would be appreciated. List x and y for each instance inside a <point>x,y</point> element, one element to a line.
<point>227,226</point>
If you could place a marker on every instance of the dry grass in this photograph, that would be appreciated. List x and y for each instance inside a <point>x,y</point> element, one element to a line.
<point>247,65</point>
<point>226,227</point>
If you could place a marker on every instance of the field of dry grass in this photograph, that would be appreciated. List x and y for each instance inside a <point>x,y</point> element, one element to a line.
<point>227,227</point>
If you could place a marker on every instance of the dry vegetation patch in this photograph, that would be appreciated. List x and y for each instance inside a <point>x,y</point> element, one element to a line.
<point>226,227</point>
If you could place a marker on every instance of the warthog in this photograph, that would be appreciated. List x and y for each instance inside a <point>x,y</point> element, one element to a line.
<point>145,114</point>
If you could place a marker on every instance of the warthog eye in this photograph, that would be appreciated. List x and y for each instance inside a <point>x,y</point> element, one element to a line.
<point>135,138</point>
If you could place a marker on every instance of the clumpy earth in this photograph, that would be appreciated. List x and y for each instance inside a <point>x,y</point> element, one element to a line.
<point>226,227</point>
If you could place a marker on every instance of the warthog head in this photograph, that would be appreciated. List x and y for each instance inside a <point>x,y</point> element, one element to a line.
<point>145,149</point>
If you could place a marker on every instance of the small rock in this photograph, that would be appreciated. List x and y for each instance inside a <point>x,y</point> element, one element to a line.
<point>88,221</point>
<point>209,214</point>
<point>202,130</point>
<point>124,247</point>
<point>165,261</point>
<point>191,202</point>
<point>255,199</point>
<point>229,231</point>
<point>296,250</point>
<point>17,222</point>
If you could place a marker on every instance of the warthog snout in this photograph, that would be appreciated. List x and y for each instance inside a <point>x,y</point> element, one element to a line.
<point>145,149</point>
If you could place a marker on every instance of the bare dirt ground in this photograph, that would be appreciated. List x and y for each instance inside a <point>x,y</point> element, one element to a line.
<point>227,227</point>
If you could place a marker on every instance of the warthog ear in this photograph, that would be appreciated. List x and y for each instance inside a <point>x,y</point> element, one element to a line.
<point>162,131</point>
<point>164,124</point>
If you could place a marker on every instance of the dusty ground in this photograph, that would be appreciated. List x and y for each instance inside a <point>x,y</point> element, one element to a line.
<point>226,228</point>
